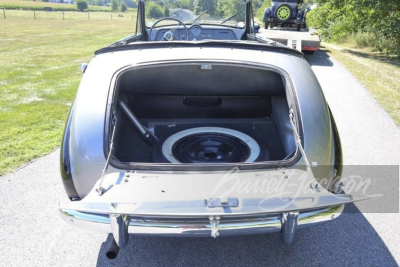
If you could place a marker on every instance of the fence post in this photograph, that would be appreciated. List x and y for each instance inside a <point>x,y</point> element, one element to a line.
<point>34,14</point>
<point>88,15</point>
<point>63,14</point>
<point>111,16</point>
<point>132,17</point>
<point>4,13</point>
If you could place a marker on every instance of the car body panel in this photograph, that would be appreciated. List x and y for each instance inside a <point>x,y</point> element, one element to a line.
<point>88,122</point>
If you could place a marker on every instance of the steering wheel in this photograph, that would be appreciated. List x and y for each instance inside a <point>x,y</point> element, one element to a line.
<point>169,35</point>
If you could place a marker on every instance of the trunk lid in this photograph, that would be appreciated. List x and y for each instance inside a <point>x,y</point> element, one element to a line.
<point>233,193</point>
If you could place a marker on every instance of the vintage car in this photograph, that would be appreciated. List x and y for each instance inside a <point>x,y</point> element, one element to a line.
<point>199,128</point>
<point>286,13</point>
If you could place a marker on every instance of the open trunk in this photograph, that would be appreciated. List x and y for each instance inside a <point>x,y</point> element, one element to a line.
<point>207,113</point>
<point>231,104</point>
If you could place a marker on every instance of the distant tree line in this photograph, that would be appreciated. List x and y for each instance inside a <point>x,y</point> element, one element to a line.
<point>116,5</point>
<point>128,3</point>
<point>120,5</point>
<point>213,8</point>
<point>373,23</point>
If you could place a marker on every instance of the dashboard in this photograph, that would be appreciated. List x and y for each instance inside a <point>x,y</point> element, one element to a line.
<point>195,33</point>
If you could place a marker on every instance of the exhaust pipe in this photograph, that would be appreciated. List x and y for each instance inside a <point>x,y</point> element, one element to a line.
<point>113,250</point>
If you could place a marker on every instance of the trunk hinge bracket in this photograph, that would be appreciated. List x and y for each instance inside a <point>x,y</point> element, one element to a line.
<point>100,190</point>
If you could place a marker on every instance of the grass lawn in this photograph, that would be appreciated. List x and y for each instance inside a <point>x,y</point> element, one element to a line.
<point>39,76</point>
<point>379,73</point>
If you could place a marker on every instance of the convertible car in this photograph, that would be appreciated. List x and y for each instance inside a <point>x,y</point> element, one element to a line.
<point>196,126</point>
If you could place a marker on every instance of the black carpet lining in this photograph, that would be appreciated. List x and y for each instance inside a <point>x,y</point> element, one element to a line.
<point>133,148</point>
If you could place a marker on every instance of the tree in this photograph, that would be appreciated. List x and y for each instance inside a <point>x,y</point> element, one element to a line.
<point>261,9</point>
<point>154,11</point>
<point>114,5</point>
<point>374,23</point>
<point>99,2</point>
<point>123,7</point>
<point>81,5</point>
<point>185,4</point>
<point>166,12</point>
<point>207,5</point>
<point>227,8</point>
<point>131,3</point>
<point>224,8</point>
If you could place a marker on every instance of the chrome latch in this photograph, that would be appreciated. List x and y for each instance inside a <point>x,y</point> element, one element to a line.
<point>214,221</point>
<point>222,202</point>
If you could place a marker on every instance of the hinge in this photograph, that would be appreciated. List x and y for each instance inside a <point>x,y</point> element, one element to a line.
<point>100,190</point>
<point>224,203</point>
<point>297,138</point>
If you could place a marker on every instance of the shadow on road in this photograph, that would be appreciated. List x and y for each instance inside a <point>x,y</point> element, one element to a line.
<point>350,240</point>
<point>320,58</point>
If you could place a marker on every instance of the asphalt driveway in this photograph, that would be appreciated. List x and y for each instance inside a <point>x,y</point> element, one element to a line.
<point>32,234</point>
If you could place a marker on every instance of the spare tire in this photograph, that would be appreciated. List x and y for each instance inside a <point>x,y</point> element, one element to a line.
<point>283,13</point>
<point>209,145</point>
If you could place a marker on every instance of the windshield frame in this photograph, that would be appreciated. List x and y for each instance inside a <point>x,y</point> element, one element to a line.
<point>198,21</point>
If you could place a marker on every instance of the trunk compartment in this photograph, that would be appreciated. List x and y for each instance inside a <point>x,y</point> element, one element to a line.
<point>169,99</point>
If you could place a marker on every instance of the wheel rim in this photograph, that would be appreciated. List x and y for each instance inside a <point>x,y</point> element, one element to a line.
<point>210,148</point>
<point>283,13</point>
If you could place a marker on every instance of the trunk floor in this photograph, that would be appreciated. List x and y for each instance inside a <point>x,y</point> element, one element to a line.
<point>133,148</point>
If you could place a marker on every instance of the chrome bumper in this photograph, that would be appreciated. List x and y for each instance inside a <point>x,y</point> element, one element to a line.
<point>204,226</point>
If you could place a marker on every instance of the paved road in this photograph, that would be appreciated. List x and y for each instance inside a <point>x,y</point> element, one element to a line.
<point>32,234</point>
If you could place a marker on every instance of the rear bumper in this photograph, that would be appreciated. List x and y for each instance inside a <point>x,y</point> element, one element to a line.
<point>309,48</point>
<point>246,225</point>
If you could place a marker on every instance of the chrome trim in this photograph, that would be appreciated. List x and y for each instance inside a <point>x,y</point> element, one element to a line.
<point>268,223</point>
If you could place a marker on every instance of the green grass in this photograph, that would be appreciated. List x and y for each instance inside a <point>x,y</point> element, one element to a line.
<point>39,76</point>
<point>378,72</point>
<point>367,41</point>
<point>31,5</point>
